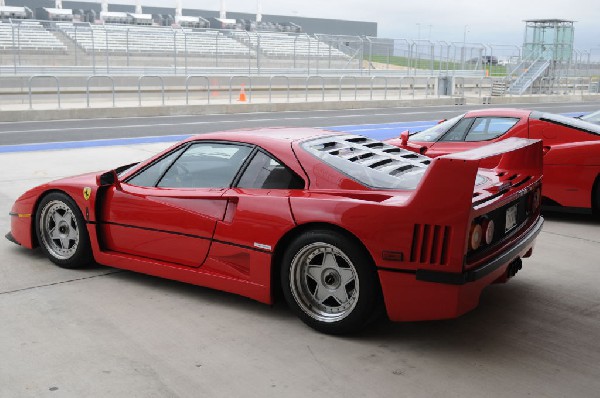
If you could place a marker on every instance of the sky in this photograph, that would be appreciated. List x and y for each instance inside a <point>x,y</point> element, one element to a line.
<point>497,22</point>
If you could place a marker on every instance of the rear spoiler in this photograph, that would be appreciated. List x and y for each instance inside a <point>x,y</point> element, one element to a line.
<point>449,182</point>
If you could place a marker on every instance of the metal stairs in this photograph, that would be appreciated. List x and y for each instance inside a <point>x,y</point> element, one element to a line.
<point>526,79</point>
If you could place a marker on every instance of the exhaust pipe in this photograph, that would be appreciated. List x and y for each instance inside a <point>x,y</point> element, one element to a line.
<point>514,267</point>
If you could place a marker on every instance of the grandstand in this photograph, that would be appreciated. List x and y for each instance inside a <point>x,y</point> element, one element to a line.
<point>138,39</point>
<point>281,44</point>
<point>27,35</point>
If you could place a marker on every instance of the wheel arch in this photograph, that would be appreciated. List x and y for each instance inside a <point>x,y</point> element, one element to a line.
<point>289,236</point>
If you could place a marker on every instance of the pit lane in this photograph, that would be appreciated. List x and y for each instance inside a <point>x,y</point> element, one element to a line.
<point>106,332</point>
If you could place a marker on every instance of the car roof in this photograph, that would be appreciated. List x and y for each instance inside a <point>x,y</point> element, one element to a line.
<point>504,112</point>
<point>266,136</point>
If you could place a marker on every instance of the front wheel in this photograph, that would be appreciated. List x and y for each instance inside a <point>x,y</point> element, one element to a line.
<point>330,282</point>
<point>61,231</point>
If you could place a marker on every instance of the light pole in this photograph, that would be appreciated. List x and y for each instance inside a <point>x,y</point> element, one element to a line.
<point>418,31</point>
<point>464,47</point>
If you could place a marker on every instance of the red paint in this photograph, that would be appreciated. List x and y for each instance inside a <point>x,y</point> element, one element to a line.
<point>571,161</point>
<point>226,238</point>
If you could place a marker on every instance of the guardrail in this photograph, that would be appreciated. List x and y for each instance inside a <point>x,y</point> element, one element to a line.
<point>289,88</point>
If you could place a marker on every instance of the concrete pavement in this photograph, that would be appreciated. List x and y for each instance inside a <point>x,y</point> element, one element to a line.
<point>102,332</point>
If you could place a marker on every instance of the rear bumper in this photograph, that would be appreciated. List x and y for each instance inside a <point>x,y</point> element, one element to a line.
<point>428,295</point>
<point>487,268</point>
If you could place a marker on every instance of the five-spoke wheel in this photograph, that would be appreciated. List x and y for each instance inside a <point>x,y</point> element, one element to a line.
<point>330,282</point>
<point>61,231</point>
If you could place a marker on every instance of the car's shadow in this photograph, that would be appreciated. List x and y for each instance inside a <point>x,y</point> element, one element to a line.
<point>580,218</point>
<point>502,309</point>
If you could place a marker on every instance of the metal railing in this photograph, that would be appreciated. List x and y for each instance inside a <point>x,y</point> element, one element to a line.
<point>261,89</point>
<point>114,49</point>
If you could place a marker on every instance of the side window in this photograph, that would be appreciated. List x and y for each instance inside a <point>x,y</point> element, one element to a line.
<point>488,128</point>
<point>206,165</point>
<point>150,175</point>
<point>458,132</point>
<point>264,172</point>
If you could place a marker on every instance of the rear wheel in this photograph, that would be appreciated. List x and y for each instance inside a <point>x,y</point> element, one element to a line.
<point>61,231</point>
<point>330,282</point>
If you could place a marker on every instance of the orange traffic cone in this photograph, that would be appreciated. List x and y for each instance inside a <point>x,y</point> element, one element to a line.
<point>242,97</point>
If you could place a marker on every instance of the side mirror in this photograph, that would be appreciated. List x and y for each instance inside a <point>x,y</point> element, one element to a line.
<point>404,137</point>
<point>108,179</point>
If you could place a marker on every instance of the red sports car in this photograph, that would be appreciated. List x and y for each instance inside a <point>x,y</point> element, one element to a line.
<point>571,148</point>
<point>345,225</point>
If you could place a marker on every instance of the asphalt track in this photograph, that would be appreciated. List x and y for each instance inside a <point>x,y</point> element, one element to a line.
<point>103,332</point>
<point>376,123</point>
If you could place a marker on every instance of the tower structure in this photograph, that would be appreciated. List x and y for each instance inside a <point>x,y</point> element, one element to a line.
<point>223,13</point>
<point>547,53</point>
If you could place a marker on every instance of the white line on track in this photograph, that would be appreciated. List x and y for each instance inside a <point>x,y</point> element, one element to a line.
<point>130,126</point>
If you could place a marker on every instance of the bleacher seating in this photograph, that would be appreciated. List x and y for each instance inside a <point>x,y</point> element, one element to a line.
<point>282,44</point>
<point>28,36</point>
<point>138,39</point>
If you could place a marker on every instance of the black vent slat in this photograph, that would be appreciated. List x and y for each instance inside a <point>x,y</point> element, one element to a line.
<point>430,244</point>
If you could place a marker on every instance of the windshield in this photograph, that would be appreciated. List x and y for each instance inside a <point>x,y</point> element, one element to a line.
<point>592,117</point>
<point>434,133</point>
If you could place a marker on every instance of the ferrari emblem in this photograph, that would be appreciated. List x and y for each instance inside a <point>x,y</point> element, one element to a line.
<point>87,191</point>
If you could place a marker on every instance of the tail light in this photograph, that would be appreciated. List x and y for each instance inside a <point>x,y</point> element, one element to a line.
<point>535,199</point>
<point>475,236</point>
<point>488,228</point>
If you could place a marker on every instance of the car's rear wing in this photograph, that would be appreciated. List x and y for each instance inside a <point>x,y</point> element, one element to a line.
<point>450,181</point>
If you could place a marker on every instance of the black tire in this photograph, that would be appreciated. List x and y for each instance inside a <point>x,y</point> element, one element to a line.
<point>596,199</point>
<point>330,282</point>
<point>61,231</point>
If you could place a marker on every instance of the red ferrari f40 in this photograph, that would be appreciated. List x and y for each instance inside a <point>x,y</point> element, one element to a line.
<point>347,227</point>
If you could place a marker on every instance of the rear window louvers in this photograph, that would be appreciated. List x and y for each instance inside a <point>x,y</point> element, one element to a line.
<point>386,163</point>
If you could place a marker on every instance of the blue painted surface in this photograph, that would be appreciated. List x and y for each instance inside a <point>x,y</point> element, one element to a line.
<point>375,131</point>
<point>90,144</point>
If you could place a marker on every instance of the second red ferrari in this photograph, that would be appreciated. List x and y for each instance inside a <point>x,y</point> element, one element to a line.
<point>571,148</point>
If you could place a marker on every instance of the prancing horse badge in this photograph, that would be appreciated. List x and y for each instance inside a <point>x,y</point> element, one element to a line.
<point>87,191</point>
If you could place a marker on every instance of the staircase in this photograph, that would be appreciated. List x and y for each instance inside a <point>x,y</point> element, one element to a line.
<point>526,79</point>
<point>498,88</point>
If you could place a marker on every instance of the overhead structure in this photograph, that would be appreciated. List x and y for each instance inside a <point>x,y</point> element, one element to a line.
<point>138,7</point>
<point>58,4</point>
<point>258,11</point>
<point>104,6</point>
<point>223,13</point>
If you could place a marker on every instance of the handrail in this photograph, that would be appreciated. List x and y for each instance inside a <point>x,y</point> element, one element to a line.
<point>249,86</point>
<point>287,79</point>
<point>386,86</point>
<point>355,85</point>
<point>322,87</point>
<point>187,87</point>
<point>44,76</point>
<point>87,87</point>
<point>162,82</point>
